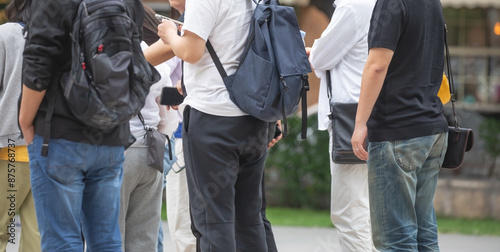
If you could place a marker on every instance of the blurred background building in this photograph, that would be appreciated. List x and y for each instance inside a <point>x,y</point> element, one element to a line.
<point>474,39</point>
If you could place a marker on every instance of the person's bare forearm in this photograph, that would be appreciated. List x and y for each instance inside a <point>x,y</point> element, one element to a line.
<point>372,81</point>
<point>371,85</point>
<point>158,53</point>
<point>188,47</point>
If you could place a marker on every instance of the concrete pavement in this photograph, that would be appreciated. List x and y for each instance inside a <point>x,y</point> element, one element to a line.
<point>300,239</point>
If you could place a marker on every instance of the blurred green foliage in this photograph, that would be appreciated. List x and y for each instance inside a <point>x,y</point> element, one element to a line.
<point>302,166</point>
<point>281,216</point>
<point>488,227</point>
<point>489,132</point>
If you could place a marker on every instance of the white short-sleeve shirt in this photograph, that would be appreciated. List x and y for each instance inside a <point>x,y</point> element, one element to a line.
<point>226,24</point>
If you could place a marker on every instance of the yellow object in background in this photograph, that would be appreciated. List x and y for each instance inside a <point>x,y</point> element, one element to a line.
<point>20,152</point>
<point>444,91</point>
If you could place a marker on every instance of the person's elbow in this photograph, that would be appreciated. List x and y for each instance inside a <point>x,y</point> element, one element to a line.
<point>377,68</point>
<point>379,60</point>
<point>192,47</point>
<point>192,56</point>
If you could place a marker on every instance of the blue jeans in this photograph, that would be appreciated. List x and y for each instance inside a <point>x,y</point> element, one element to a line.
<point>402,178</point>
<point>76,189</point>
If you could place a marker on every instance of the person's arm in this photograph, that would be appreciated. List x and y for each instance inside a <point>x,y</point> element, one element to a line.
<point>30,102</point>
<point>158,53</point>
<point>374,73</point>
<point>44,54</point>
<point>189,47</point>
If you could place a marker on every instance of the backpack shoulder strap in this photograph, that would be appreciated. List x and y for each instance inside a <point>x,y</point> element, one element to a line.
<point>305,89</point>
<point>216,60</point>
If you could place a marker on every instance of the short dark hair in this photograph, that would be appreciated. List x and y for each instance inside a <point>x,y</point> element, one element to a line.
<point>18,11</point>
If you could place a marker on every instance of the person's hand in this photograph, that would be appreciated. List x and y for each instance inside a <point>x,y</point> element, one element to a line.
<point>28,133</point>
<point>174,107</point>
<point>358,141</point>
<point>178,85</point>
<point>276,139</point>
<point>273,142</point>
<point>308,51</point>
<point>166,29</point>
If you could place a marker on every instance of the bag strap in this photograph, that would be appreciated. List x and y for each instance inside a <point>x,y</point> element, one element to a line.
<point>329,92</point>
<point>450,77</point>
<point>305,89</point>
<point>142,121</point>
<point>52,91</point>
<point>151,128</point>
<point>452,87</point>
<point>216,59</point>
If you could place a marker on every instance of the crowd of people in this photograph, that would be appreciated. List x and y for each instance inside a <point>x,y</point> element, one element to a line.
<point>386,55</point>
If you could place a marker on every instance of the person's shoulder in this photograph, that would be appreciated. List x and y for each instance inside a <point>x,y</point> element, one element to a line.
<point>10,26</point>
<point>357,5</point>
<point>360,10</point>
<point>393,7</point>
<point>9,30</point>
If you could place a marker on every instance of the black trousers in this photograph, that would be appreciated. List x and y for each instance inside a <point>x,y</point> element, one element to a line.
<point>224,166</point>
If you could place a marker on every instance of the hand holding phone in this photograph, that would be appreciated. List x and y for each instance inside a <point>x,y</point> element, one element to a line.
<point>278,132</point>
<point>161,17</point>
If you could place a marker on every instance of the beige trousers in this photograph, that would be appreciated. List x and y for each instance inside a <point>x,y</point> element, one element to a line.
<point>14,199</point>
<point>179,221</point>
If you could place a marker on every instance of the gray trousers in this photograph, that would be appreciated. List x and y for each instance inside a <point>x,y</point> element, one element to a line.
<point>224,166</point>
<point>140,202</point>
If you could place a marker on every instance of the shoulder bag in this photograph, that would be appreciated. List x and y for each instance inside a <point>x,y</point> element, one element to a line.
<point>156,146</point>
<point>343,117</point>
<point>460,140</point>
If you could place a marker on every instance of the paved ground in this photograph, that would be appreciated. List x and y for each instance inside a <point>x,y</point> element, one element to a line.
<point>326,240</point>
<point>298,239</point>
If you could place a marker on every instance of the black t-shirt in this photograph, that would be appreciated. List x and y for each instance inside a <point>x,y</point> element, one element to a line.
<point>408,105</point>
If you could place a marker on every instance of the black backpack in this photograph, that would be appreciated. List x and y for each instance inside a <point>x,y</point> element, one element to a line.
<point>109,77</point>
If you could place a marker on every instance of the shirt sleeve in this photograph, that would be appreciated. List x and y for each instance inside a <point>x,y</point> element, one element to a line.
<point>47,41</point>
<point>387,24</point>
<point>200,17</point>
<point>337,39</point>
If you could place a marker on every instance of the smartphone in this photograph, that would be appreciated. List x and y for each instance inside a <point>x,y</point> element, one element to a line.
<point>161,17</point>
<point>170,96</point>
<point>278,132</point>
